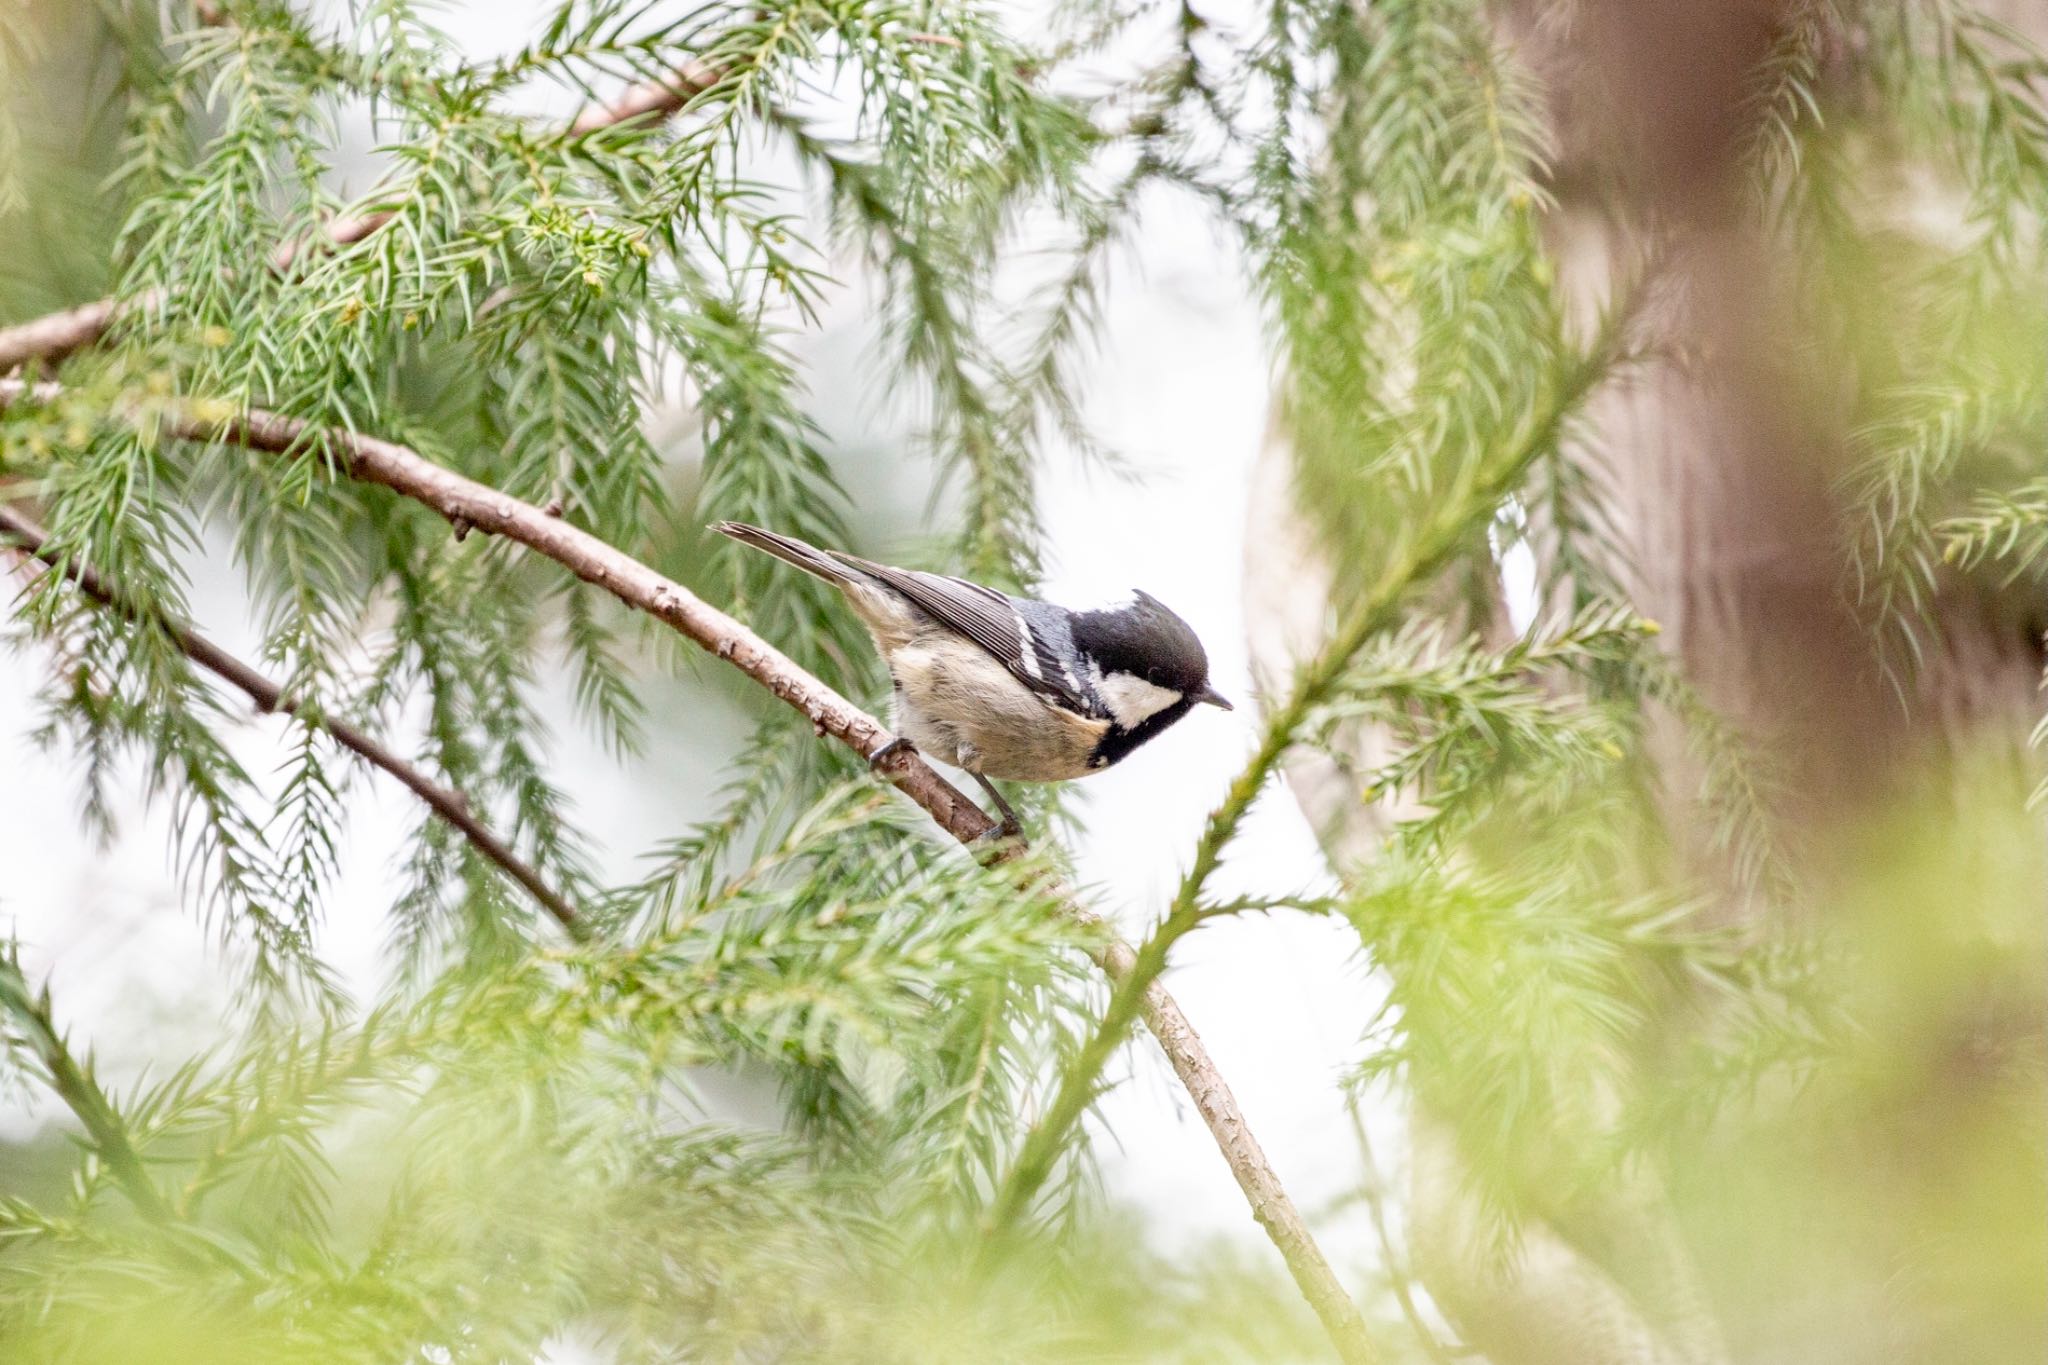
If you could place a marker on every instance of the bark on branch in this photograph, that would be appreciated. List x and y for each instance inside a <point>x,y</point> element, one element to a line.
<point>463,501</point>
<point>24,535</point>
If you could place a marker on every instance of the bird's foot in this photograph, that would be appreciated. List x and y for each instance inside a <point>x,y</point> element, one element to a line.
<point>1010,828</point>
<point>886,751</point>
<point>1002,832</point>
<point>996,836</point>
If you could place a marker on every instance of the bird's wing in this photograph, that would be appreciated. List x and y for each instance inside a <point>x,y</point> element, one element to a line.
<point>994,622</point>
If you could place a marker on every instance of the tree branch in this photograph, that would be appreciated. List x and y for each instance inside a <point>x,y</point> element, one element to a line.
<point>18,531</point>
<point>663,97</point>
<point>461,500</point>
<point>55,335</point>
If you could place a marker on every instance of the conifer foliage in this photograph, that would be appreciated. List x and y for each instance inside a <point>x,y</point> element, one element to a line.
<point>375,400</point>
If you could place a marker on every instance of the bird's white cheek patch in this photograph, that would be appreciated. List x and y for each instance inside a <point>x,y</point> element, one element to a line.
<point>1132,700</point>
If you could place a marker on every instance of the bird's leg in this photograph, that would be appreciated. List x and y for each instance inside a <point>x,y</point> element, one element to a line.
<point>884,752</point>
<point>1011,826</point>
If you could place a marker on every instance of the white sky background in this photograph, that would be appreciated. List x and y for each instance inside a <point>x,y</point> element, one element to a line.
<point>1181,389</point>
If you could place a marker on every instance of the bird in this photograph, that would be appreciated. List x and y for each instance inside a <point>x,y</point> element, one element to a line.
<point>1011,688</point>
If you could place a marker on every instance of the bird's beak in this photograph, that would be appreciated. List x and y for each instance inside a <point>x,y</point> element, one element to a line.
<point>1212,697</point>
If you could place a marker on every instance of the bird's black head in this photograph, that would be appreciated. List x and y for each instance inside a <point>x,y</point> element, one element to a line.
<point>1143,639</point>
<point>1152,670</point>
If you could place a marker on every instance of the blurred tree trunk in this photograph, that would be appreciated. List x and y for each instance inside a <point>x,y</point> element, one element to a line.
<point>1718,480</point>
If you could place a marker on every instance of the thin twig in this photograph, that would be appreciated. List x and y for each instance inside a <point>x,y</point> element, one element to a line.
<point>1398,1273</point>
<point>662,97</point>
<point>461,500</point>
<point>1430,549</point>
<point>53,336</point>
<point>18,531</point>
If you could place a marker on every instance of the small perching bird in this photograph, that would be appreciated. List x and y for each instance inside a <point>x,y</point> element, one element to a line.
<point>1009,687</point>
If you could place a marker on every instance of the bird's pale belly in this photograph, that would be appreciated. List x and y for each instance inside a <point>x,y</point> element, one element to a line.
<point>962,707</point>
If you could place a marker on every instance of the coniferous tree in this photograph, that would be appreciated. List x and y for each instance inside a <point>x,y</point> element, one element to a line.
<point>1703,888</point>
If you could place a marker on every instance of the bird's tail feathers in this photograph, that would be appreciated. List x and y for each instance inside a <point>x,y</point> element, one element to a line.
<point>805,556</point>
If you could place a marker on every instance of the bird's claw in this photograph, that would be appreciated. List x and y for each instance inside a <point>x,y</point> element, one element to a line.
<point>1007,831</point>
<point>1010,828</point>
<point>886,751</point>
